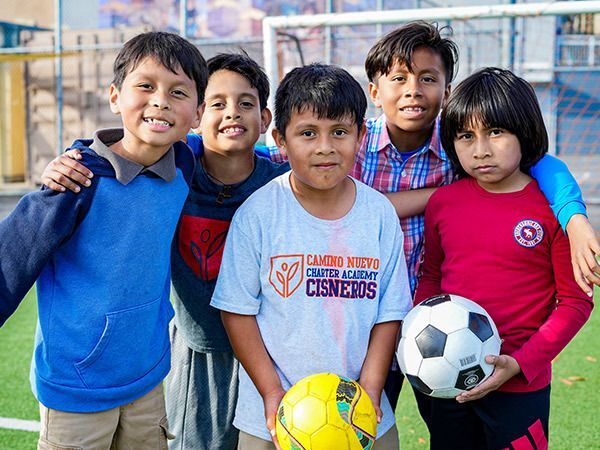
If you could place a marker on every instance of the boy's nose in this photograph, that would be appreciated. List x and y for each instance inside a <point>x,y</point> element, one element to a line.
<point>482,150</point>
<point>412,88</point>
<point>232,112</point>
<point>325,147</point>
<point>160,101</point>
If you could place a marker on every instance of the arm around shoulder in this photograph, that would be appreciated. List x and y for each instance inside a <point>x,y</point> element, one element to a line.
<point>410,203</point>
<point>560,188</point>
<point>585,249</point>
<point>565,198</point>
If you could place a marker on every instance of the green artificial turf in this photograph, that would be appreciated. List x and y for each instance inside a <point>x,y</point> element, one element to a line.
<point>16,347</point>
<point>573,419</point>
<point>575,401</point>
<point>17,440</point>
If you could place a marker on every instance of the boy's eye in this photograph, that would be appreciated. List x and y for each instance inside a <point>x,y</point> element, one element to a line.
<point>247,105</point>
<point>496,132</point>
<point>217,105</point>
<point>463,136</point>
<point>179,93</point>
<point>308,133</point>
<point>398,78</point>
<point>428,79</point>
<point>340,132</point>
<point>145,85</point>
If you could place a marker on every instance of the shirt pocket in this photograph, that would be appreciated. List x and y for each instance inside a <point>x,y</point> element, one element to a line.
<point>133,342</point>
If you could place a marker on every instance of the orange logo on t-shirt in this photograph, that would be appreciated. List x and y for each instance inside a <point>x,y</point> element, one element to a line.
<point>286,274</point>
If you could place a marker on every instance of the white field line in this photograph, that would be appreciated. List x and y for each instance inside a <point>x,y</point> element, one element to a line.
<point>18,424</point>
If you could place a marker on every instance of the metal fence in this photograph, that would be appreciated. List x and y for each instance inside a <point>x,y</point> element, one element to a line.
<point>561,63</point>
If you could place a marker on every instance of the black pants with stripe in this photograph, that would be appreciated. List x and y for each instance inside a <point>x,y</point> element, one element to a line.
<point>498,421</point>
<point>393,386</point>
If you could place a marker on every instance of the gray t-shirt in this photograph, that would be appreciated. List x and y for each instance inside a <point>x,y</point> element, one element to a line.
<point>317,287</point>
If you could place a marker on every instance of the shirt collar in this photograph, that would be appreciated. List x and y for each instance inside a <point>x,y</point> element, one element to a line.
<point>384,140</point>
<point>125,169</point>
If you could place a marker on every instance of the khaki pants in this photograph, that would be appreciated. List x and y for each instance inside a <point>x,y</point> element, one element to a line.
<point>389,441</point>
<point>141,424</point>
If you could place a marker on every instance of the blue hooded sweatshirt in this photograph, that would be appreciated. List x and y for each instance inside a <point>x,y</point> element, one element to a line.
<point>102,263</point>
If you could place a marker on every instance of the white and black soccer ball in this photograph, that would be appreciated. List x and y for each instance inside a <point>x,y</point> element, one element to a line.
<point>443,345</point>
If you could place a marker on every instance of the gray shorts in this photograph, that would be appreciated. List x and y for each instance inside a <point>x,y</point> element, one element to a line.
<point>201,394</point>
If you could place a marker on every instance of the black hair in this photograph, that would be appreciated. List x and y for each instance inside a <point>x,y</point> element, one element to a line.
<point>170,50</point>
<point>242,64</point>
<point>494,97</point>
<point>330,91</point>
<point>399,45</point>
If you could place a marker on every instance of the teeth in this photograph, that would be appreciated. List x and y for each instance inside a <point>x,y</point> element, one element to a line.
<point>411,109</point>
<point>157,122</point>
<point>232,130</point>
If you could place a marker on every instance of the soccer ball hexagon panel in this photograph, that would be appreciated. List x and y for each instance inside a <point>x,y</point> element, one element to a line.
<point>325,411</point>
<point>443,344</point>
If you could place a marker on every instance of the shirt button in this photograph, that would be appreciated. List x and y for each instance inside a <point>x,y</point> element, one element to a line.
<point>403,173</point>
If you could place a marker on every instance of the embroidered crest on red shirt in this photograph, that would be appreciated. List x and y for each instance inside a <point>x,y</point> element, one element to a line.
<point>528,233</point>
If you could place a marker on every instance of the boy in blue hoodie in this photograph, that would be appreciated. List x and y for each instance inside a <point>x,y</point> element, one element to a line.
<point>101,258</point>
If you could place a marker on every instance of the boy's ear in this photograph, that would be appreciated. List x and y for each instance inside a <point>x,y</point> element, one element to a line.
<point>446,95</point>
<point>361,136</point>
<point>198,128</point>
<point>113,98</point>
<point>199,112</point>
<point>279,141</point>
<point>374,94</point>
<point>265,120</point>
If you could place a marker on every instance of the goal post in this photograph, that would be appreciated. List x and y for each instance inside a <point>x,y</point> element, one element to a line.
<point>272,24</point>
<point>553,45</point>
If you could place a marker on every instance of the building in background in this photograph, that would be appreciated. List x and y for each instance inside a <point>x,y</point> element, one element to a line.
<point>14,147</point>
<point>559,55</point>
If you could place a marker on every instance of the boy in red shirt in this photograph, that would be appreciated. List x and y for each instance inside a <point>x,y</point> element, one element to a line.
<point>492,237</point>
<point>410,71</point>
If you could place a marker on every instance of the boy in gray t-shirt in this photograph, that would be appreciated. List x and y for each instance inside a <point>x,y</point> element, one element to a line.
<point>313,277</point>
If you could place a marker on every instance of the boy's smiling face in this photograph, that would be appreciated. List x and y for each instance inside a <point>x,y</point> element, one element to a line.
<point>320,151</point>
<point>232,119</point>
<point>157,107</point>
<point>411,101</point>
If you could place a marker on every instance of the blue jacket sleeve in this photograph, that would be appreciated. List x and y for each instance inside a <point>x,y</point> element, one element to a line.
<point>194,141</point>
<point>560,188</point>
<point>40,223</point>
<point>262,150</point>
<point>185,160</point>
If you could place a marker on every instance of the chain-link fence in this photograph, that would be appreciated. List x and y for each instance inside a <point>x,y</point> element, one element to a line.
<point>559,55</point>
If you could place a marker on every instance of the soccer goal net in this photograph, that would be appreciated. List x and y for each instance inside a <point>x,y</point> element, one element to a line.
<point>554,45</point>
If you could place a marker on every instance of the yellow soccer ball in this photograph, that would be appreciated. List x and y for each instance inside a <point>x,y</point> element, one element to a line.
<point>326,412</point>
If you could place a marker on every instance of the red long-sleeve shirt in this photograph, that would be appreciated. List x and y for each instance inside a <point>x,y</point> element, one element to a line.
<point>508,253</point>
